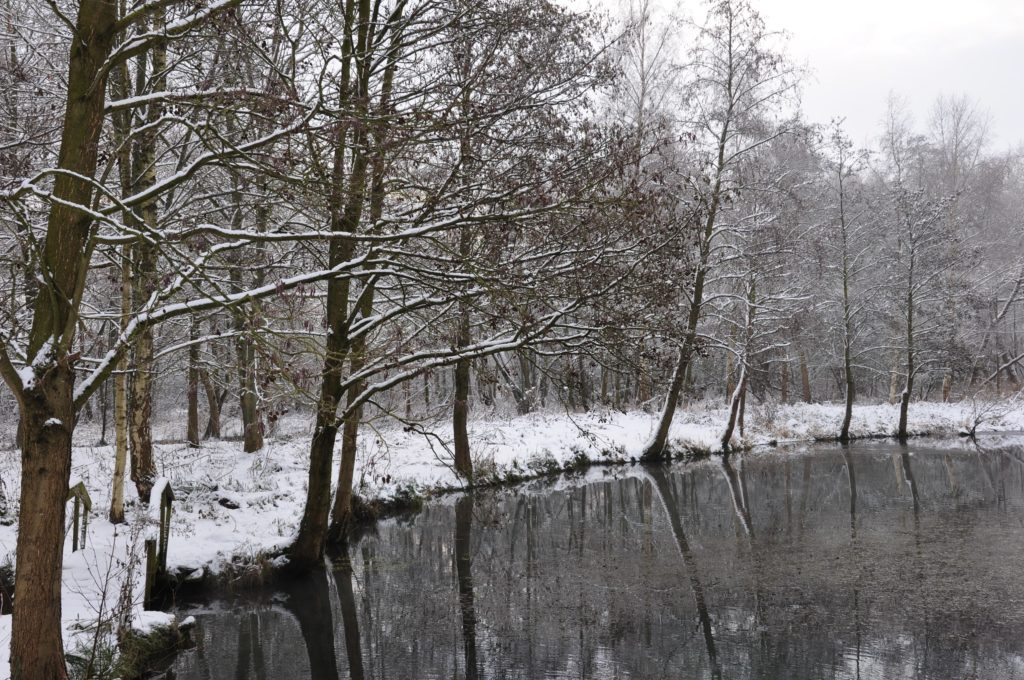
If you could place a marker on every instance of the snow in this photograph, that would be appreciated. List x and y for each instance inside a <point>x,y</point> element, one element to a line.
<point>149,621</point>
<point>29,373</point>
<point>28,377</point>
<point>234,508</point>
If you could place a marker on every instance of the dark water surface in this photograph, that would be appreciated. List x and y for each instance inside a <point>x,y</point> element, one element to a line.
<point>873,561</point>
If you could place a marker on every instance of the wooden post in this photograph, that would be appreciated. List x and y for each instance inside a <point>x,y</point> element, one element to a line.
<point>79,514</point>
<point>156,548</point>
<point>150,572</point>
<point>75,519</point>
<point>166,498</point>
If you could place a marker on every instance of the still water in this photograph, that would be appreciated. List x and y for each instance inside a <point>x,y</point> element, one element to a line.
<point>871,561</point>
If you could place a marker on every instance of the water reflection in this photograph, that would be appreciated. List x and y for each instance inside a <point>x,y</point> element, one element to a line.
<point>869,561</point>
<point>671,507</point>
<point>349,616</point>
<point>309,601</point>
<point>464,576</point>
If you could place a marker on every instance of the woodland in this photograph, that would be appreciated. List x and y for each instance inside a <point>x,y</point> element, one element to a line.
<point>218,215</point>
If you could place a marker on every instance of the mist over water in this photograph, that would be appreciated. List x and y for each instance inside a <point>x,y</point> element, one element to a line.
<point>872,561</point>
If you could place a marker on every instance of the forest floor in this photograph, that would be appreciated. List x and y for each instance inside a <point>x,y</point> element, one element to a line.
<point>234,508</point>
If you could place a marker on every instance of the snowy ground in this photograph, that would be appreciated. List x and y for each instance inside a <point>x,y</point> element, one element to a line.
<point>232,506</point>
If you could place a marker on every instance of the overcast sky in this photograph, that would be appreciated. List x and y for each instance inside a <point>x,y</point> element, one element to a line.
<point>860,50</point>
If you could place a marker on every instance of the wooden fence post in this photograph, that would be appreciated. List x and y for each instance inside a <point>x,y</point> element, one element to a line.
<point>79,514</point>
<point>150,572</point>
<point>160,502</point>
<point>166,499</point>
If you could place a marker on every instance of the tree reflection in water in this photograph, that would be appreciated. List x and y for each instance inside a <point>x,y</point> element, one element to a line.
<point>464,576</point>
<point>870,561</point>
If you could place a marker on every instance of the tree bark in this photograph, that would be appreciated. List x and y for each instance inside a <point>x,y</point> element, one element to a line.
<point>730,383</point>
<point>244,321</point>
<point>851,392</point>
<point>47,405</point>
<point>48,417</point>
<point>140,433</point>
<point>143,468</point>
<point>212,404</point>
<point>805,377</point>
<point>784,387</point>
<point>121,400</point>
<point>252,424</point>
<point>894,378</point>
<point>738,399</point>
<point>192,388</point>
<point>734,408</point>
<point>908,387</point>
<point>460,409</point>
<point>122,124</point>
<point>460,403</point>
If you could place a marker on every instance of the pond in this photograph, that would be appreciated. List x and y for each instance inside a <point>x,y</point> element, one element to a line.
<point>869,561</point>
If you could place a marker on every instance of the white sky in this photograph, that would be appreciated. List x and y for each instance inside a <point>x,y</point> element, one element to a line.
<point>860,50</point>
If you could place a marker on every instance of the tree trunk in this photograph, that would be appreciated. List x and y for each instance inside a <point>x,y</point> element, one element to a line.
<point>48,418</point>
<point>120,440</point>
<point>542,387</point>
<point>460,409</point>
<point>143,468</point>
<point>308,549</point>
<point>192,388</point>
<point>805,377</point>
<point>851,393</point>
<point>212,405</point>
<point>743,413</point>
<point>734,408</point>
<point>105,394</point>
<point>245,354</point>
<point>584,383</point>
<point>657,448</point>
<point>426,393</point>
<point>341,513</point>
<point>460,406</point>
<point>122,124</point>
<point>121,398</point>
<point>730,384</point>
<point>908,387</point>
<point>460,412</point>
<point>252,425</point>
<point>784,387</point>
<point>47,406</point>
<point>894,379</point>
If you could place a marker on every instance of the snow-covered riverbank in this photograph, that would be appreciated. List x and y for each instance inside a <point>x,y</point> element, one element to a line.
<point>234,507</point>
